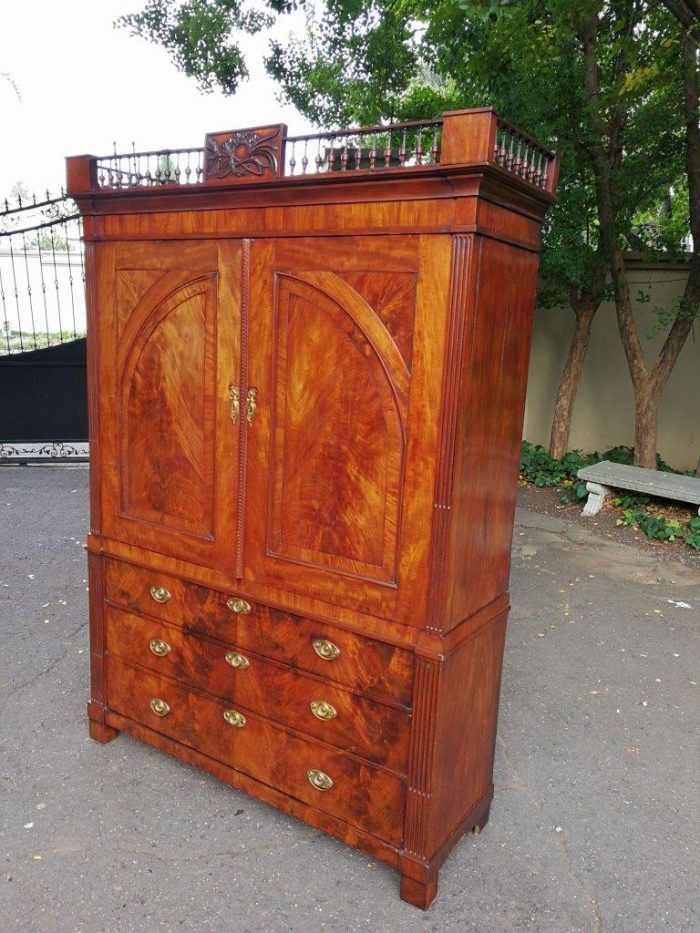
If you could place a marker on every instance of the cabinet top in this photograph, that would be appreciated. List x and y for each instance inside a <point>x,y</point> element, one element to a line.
<point>268,155</point>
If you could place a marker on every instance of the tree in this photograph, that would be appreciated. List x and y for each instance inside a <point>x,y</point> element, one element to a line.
<point>633,66</point>
<point>599,79</point>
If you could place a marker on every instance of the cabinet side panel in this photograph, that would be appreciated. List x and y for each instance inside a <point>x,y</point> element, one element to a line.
<point>465,730</point>
<point>489,426</point>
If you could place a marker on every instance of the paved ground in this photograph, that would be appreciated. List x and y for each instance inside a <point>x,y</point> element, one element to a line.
<point>594,825</point>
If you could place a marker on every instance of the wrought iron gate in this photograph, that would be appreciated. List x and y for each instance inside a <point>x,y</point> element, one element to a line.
<point>43,406</point>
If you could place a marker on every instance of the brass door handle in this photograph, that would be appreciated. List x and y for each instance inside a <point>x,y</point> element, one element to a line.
<point>235,400</point>
<point>251,405</point>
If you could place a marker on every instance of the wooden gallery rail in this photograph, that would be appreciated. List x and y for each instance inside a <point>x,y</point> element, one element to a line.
<point>307,366</point>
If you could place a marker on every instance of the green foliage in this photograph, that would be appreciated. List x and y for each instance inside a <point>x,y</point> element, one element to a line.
<point>624,454</point>
<point>367,61</point>
<point>202,35</point>
<point>662,529</point>
<point>630,500</point>
<point>537,467</point>
<point>692,536</point>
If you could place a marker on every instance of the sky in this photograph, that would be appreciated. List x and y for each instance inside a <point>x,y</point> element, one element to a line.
<point>84,84</point>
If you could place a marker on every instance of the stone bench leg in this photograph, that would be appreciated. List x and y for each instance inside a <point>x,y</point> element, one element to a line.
<point>596,496</point>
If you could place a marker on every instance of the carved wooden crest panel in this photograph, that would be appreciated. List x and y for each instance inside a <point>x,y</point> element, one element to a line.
<point>244,155</point>
<point>167,388</point>
<point>338,431</point>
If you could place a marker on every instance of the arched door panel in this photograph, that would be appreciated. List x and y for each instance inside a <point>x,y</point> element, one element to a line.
<point>175,354</point>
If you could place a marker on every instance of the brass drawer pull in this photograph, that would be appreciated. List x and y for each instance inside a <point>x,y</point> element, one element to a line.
<point>319,779</point>
<point>159,647</point>
<point>238,605</point>
<point>325,649</point>
<point>322,710</point>
<point>234,718</point>
<point>159,707</point>
<point>160,594</point>
<point>239,661</point>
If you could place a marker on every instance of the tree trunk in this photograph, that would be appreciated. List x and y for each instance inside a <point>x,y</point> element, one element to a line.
<point>570,378</point>
<point>646,418</point>
<point>648,383</point>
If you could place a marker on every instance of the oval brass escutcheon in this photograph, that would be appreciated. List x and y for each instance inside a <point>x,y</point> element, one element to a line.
<point>322,710</point>
<point>325,649</point>
<point>159,707</point>
<point>159,647</point>
<point>239,661</point>
<point>238,605</point>
<point>319,779</point>
<point>234,718</point>
<point>160,594</point>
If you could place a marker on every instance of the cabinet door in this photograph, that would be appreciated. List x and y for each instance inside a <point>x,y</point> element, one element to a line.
<point>333,467</point>
<point>169,352</point>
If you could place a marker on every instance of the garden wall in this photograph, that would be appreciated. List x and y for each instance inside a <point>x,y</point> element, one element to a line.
<point>604,410</point>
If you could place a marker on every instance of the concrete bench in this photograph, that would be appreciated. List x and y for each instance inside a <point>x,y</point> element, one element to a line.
<point>603,477</point>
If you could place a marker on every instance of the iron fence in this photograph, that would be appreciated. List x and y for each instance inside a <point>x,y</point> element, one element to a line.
<point>42,273</point>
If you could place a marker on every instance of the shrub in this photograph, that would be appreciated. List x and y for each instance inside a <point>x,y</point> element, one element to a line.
<point>537,467</point>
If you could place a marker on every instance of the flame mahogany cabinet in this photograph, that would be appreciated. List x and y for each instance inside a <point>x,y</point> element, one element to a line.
<point>307,368</point>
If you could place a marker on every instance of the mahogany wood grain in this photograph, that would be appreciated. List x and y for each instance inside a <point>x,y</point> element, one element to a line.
<point>359,725</point>
<point>341,439</point>
<point>168,447</point>
<point>360,793</point>
<point>469,140</point>
<point>306,812</point>
<point>375,330</point>
<point>467,705</point>
<point>372,667</point>
<point>244,156</point>
<point>490,377</point>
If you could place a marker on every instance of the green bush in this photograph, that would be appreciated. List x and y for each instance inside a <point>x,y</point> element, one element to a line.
<point>537,467</point>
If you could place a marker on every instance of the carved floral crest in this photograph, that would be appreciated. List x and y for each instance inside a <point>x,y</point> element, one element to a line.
<point>244,152</point>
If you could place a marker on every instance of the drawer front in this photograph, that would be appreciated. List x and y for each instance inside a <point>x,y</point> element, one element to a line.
<point>319,708</point>
<point>334,654</point>
<point>351,790</point>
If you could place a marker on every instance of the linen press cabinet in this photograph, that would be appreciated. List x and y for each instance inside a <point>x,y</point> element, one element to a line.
<point>307,368</point>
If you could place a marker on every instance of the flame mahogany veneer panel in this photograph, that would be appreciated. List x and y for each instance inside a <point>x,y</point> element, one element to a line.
<point>376,668</point>
<point>361,794</point>
<point>278,691</point>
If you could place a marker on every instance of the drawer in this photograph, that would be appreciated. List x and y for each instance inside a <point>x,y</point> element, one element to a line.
<point>335,654</point>
<point>319,708</point>
<point>357,792</point>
